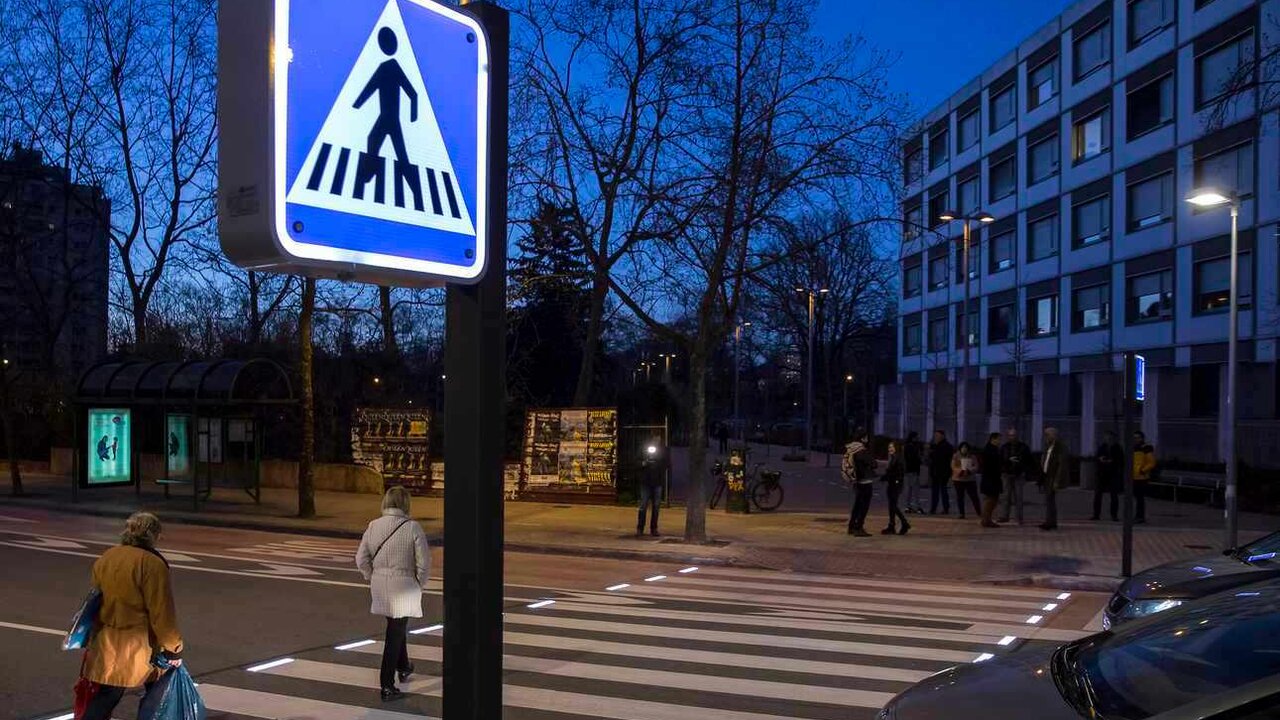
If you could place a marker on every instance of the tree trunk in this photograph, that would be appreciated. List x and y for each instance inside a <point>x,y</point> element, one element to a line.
<point>306,462</point>
<point>139,324</point>
<point>387,320</point>
<point>695,521</point>
<point>587,368</point>
<point>10,434</point>
<point>255,313</point>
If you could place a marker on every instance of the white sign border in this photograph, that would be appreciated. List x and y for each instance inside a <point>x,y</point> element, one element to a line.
<point>281,56</point>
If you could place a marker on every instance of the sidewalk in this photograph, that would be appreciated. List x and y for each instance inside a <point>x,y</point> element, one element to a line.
<point>1082,555</point>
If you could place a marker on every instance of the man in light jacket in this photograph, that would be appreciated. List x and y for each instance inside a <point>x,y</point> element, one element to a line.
<point>858,468</point>
<point>1056,464</point>
<point>395,558</point>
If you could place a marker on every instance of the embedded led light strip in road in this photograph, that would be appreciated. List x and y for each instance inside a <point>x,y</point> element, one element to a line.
<point>1034,619</point>
<point>541,604</point>
<point>1007,640</point>
<point>983,657</point>
<point>655,578</point>
<point>68,716</point>
<point>272,664</point>
<point>356,644</point>
<point>1064,596</point>
<point>619,586</point>
<point>431,628</point>
<point>688,570</point>
<point>1050,607</point>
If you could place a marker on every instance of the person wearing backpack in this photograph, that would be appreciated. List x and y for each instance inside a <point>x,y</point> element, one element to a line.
<point>1145,469</point>
<point>858,468</point>
<point>395,558</point>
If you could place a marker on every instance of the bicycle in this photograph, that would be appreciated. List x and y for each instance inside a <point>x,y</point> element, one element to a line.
<point>763,487</point>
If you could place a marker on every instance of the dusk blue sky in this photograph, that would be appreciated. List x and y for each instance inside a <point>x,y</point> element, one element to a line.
<point>941,44</point>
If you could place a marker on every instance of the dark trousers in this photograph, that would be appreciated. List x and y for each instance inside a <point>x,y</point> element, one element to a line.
<point>724,446</point>
<point>969,489</point>
<point>104,703</point>
<point>649,495</point>
<point>395,651</point>
<point>861,506</point>
<point>1107,486</point>
<point>894,491</point>
<point>938,490</point>
<point>1050,506</point>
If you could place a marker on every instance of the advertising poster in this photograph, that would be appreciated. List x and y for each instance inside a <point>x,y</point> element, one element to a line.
<point>110,447</point>
<point>573,449</point>
<point>178,446</point>
<point>394,443</point>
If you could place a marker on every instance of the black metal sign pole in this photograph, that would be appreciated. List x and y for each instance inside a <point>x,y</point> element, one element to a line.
<point>1126,394</point>
<point>475,413</point>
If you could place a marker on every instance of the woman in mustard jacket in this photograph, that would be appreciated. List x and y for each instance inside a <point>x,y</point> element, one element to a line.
<point>137,620</point>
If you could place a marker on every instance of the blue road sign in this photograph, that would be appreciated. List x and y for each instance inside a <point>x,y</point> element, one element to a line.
<point>1139,378</point>
<point>378,142</point>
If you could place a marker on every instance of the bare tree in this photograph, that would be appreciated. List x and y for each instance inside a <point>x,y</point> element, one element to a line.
<point>1255,81</point>
<point>306,370</point>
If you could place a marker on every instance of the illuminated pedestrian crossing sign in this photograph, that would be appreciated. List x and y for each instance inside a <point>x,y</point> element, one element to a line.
<point>370,159</point>
<point>1139,378</point>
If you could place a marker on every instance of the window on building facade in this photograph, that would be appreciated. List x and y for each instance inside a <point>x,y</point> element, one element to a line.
<point>1092,50</point>
<point>1004,109</point>
<point>1091,307</point>
<point>975,254</point>
<point>1042,160</point>
<point>1215,69</point>
<point>1206,390</point>
<point>1091,221</point>
<point>938,334</point>
<point>1004,178</point>
<point>913,166</point>
<point>968,130</point>
<point>1043,82</point>
<point>938,204</point>
<point>1150,201</point>
<point>1000,324</point>
<point>1091,137</point>
<point>1148,17</point>
<point>1042,316</point>
<point>1150,297</point>
<point>973,333</point>
<point>938,273</point>
<point>913,223</point>
<point>912,281</point>
<point>1150,106</point>
<point>1042,238</point>
<point>911,344</point>
<point>1213,284</point>
<point>937,150</point>
<point>967,195</point>
<point>1228,171</point>
<point>1001,248</point>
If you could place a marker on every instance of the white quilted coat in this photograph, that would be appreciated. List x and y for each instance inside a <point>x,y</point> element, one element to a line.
<point>398,575</point>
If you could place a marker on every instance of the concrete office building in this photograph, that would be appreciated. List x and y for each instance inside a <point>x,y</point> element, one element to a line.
<point>1082,143</point>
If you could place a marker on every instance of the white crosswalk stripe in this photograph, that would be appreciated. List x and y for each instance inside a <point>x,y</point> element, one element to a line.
<point>816,648</point>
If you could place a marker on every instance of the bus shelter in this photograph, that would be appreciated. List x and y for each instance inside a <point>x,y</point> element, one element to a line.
<point>176,423</point>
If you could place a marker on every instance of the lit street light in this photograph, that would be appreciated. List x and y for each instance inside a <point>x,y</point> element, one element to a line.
<point>813,294</point>
<point>666,374</point>
<point>1209,198</point>
<point>982,217</point>
<point>844,420</point>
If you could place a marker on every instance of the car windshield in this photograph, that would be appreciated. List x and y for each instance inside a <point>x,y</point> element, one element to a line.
<point>1266,549</point>
<point>1205,648</point>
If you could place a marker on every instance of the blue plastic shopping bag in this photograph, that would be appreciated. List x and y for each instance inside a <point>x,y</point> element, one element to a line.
<point>82,623</point>
<point>172,697</point>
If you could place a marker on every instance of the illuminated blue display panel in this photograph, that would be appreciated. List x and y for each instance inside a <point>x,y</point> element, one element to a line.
<point>381,110</point>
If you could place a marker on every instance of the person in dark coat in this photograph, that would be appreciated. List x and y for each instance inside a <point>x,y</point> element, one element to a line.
<point>894,473</point>
<point>940,453</point>
<point>1056,467</point>
<point>990,484</point>
<point>1015,459</point>
<point>1110,476</point>
<point>653,476</point>
<point>912,455</point>
<point>858,468</point>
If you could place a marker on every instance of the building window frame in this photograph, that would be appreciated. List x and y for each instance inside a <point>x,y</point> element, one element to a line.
<point>912,337</point>
<point>1149,219</point>
<point>1010,164</point>
<point>963,141</point>
<point>1101,33</point>
<point>1000,99</point>
<point>995,321</point>
<point>973,187</point>
<point>938,279</point>
<point>913,222</point>
<point>1046,73</point>
<point>938,340</point>
<point>1035,250</point>
<point>1100,298</point>
<point>938,204</point>
<point>1242,44</point>
<point>913,166</point>
<point>1217,300</point>
<point>1165,96</point>
<point>1160,297</point>
<point>1080,140</point>
<point>1167,12</point>
<point>1002,251</point>
<point>1035,306</point>
<point>1103,233</point>
<point>1045,151</point>
<point>974,335</point>
<point>939,152</point>
<point>1243,162</point>
<point>912,281</point>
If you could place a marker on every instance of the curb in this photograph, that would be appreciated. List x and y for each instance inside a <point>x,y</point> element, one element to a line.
<point>1080,583</point>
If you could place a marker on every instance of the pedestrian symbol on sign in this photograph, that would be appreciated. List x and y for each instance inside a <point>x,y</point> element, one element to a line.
<point>349,164</point>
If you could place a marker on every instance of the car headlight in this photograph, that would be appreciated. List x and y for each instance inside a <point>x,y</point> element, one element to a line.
<point>1143,608</point>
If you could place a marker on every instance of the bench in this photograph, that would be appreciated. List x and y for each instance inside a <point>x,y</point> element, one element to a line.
<point>1178,479</point>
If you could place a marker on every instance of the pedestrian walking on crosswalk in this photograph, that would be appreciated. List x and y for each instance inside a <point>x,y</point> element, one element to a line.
<point>395,558</point>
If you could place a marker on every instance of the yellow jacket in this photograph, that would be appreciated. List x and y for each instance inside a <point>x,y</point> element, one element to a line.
<point>137,619</point>
<point>1144,461</point>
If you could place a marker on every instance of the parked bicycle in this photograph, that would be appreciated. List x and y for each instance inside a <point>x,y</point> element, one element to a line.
<point>763,487</point>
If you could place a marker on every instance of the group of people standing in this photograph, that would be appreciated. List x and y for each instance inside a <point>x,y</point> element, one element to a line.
<point>982,478</point>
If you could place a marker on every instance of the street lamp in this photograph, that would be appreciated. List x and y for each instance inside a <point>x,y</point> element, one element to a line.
<point>813,293</point>
<point>985,218</point>
<point>1210,198</point>
<point>666,374</point>
<point>737,376</point>
<point>848,380</point>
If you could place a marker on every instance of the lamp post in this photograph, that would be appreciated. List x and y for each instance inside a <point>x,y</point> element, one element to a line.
<point>666,372</point>
<point>737,378</point>
<point>844,419</point>
<point>986,218</point>
<point>1207,198</point>
<point>813,294</point>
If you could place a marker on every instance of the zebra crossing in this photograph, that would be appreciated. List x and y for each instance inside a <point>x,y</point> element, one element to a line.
<point>707,643</point>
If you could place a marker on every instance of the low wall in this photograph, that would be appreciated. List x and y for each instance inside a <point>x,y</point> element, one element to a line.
<point>330,477</point>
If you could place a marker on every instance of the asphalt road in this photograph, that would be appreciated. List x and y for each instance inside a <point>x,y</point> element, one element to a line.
<point>624,640</point>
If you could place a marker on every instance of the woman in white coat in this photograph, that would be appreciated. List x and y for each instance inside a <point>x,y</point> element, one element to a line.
<point>395,559</point>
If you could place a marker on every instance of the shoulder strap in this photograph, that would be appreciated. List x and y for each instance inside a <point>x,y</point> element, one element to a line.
<point>388,537</point>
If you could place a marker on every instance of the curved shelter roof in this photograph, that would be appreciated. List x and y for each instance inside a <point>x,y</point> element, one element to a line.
<point>200,382</point>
